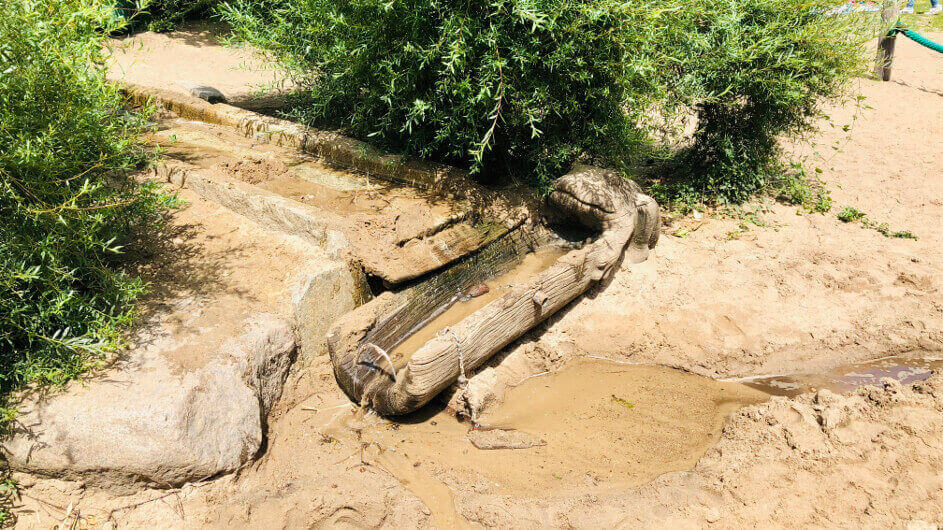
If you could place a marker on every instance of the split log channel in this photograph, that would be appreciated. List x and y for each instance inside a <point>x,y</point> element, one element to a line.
<point>626,223</point>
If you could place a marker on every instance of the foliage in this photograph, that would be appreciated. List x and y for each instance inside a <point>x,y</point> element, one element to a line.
<point>8,495</point>
<point>850,214</point>
<point>797,188</point>
<point>66,202</point>
<point>772,64</point>
<point>166,15</point>
<point>497,85</point>
<point>885,230</point>
<point>528,87</point>
<point>822,202</point>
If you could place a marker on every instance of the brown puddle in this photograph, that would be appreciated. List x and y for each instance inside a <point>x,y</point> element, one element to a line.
<point>605,425</point>
<point>846,378</point>
<point>531,265</point>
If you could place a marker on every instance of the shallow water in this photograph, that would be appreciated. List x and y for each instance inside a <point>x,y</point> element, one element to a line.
<point>605,426</point>
<point>845,378</point>
<point>531,265</point>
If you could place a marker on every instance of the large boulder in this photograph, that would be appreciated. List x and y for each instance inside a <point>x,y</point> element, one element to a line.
<point>156,423</point>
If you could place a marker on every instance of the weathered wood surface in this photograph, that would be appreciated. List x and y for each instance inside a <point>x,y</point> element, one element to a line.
<point>597,199</point>
<point>884,58</point>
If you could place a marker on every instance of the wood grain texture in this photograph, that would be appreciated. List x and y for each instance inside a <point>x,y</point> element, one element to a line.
<point>595,198</point>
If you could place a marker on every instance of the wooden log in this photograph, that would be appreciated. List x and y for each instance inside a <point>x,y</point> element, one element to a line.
<point>475,339</point>
<point>593,197</point>
<point>885,53</point>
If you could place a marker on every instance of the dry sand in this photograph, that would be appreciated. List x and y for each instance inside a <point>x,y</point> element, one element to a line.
<point>193,55</point>
<point>804,293</point>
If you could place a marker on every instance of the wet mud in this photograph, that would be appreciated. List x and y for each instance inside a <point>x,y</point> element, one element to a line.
<point>595,425</point>
<point>847,377</point>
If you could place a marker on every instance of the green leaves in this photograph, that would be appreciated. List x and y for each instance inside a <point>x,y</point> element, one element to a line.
<point>524,88</point>
<point>66,204</point>
<point>772,65</point>
<point>491,76</point>
<point>850,214</point>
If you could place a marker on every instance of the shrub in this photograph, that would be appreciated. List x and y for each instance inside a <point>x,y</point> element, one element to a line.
<point>760,70</point>
<point>66,202</point>
<point>527,87</point>
<point>166,15</point>
<point>503,86</point>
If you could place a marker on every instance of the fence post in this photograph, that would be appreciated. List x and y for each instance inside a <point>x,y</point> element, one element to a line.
<point>885,54</point>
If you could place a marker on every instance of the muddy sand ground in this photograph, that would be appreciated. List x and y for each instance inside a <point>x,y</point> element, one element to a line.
<point>798,292</point>
<point>193,55</point>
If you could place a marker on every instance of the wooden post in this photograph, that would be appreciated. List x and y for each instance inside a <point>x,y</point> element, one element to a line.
<point>885,54</point>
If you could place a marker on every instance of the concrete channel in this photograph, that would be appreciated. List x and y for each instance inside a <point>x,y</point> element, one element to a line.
<point>377,218</point>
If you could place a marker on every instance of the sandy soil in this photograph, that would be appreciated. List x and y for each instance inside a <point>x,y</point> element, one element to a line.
<point>803,293</point>
<point>192,55</point>
<point>209,270</point>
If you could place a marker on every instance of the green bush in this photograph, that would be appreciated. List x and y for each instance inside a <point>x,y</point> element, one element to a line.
<point>507,85</point>
<point>527,87</point>
<point>761,72</point>
<point>166,15</point>
<point>66,202</point>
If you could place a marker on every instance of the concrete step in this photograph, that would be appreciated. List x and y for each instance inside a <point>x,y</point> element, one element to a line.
<point>392,231</point>
<point>232,307</point>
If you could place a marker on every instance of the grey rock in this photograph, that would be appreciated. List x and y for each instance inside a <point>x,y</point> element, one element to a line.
<point>204,92</point>
<point>208,94</point>
<point>154,423</point>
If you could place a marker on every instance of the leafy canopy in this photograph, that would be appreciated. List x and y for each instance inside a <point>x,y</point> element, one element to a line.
<point>66,202</point>
<point>524,88</point>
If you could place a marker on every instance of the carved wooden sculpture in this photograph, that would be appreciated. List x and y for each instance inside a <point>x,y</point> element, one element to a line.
<point>627,222</point>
